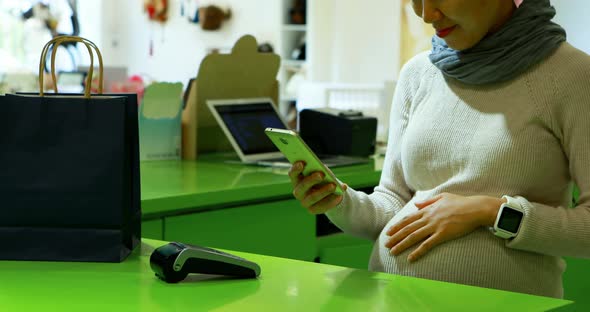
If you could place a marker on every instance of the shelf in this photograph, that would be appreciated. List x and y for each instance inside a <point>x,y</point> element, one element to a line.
<point>290,70</point>
<point>295,27</point>
<point>292,38</point>
<point>288,98</point>
<point>292,63</point>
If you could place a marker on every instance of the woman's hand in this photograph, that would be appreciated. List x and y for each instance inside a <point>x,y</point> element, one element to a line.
<point>316,196</point>
<point>440,219</point>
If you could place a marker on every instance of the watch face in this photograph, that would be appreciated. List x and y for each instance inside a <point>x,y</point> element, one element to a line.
<point>510,219</point>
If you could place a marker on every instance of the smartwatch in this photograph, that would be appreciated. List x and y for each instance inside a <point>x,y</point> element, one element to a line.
<point>508,219</point>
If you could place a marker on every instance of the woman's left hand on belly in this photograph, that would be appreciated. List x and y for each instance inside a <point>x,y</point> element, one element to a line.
<point>439,219</point>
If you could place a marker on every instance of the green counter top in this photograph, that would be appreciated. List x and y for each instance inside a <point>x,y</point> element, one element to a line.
<point>284,285</point>
<point>170,187</point>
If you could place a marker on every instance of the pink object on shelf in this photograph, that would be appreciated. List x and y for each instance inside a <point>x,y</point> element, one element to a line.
<point>518,2</point>
<point>132,85</point>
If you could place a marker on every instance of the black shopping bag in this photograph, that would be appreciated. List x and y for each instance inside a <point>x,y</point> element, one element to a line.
<point>70,184</point>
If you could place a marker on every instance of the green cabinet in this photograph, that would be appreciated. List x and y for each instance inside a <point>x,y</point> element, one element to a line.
<point>220,203</point>
<point>576,280</point>
<point>279,228</point>
<point>152,229</point>
<point>576,277</point>
<point>344,250</point>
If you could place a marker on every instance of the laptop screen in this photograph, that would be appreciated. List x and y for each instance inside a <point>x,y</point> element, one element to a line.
<point>246,123</point>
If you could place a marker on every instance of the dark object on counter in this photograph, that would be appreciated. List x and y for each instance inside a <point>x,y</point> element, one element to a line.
<point>72,189</point>
<point>174,261</point>
<point>338,132</point>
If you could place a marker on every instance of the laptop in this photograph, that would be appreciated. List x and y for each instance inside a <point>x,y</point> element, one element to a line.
<point>243,121</point>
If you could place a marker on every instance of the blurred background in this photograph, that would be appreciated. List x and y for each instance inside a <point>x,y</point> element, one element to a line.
<point>344,51</point>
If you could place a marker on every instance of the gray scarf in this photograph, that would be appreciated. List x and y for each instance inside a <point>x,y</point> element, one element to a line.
<point>525,40</point>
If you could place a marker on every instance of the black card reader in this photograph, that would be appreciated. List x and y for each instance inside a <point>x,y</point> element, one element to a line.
<point>174,261</point>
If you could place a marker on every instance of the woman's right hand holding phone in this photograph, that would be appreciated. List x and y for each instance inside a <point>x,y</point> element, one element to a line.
<point>311,191</point>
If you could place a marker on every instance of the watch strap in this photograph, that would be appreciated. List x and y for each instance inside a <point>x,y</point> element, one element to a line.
<point>512,202</point>
<point>502,234</point>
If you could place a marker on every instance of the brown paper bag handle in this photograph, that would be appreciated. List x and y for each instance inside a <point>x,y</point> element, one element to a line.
<point>42,64</point>
<point>56,42</point>
<point>89,78</point>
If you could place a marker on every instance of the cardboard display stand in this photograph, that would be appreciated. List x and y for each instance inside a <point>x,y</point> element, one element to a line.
<point>159,122</point>
<point>244,73</point>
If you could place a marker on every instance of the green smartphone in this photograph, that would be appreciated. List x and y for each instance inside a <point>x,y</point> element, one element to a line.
<point>294,149</point>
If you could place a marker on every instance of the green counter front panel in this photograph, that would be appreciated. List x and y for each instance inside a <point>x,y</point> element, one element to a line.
<point>279,228</point>
<point>576,281</point>
<point>344,250</point>
<point>576,278</point>
<point>152,229</point>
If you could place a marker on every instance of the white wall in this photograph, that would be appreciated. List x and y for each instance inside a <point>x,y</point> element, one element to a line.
<point>91,23</point>
<point>351,41</point>
<point>356,41</point>
<point>179,46</point>
<point>574,15</point>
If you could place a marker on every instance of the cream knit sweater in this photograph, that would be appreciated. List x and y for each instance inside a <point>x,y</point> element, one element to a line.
<point>528,138</point>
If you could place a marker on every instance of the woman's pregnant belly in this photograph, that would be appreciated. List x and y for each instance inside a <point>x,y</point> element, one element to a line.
<point>478,258</point>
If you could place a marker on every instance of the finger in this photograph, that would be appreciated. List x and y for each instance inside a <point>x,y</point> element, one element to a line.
<point>295,172</point>
<point>317,193</point>
<point>326,204</point>
<point>403,233</point>
<point>426,246</point>
<point>412,240</point>
<point>404,222</point>
<point>425,203</point>
<point>306,183</point>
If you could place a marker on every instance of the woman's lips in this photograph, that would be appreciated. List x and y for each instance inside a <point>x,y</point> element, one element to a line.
<point>441,33</point>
